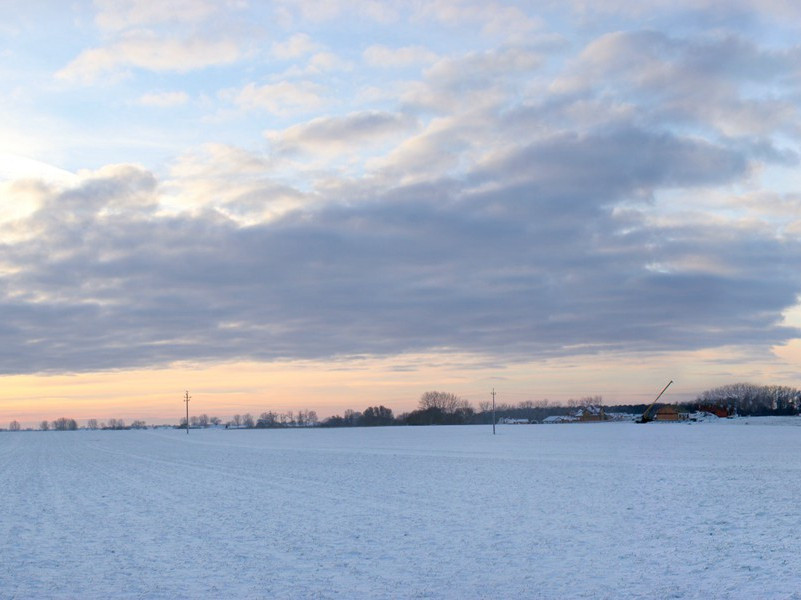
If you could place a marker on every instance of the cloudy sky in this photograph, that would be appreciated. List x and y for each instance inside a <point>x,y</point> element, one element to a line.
<point>328,204</point>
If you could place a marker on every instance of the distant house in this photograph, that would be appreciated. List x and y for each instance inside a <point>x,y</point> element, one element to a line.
<point>671,413</point>
<point>591,414</point>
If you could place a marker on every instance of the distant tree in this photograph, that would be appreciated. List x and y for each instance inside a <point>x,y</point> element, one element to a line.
<point>194,421</point>
<point>376,416</point>
<point>444,401</point>
<point>437,416</point>
<point>311,416</point>
<point>352,417</point>
<point>215,420</point>
<point>64,424</point>
<point>44,425</point>
<point>247,420</point>
<point>13,426</point>
<point>138,425</point>
<point>91,424</point>
<point>236,420</point>
<point>334,421</point>
<point>268,419</point>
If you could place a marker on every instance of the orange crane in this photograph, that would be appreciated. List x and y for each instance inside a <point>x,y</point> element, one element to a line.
<point>645,418</point>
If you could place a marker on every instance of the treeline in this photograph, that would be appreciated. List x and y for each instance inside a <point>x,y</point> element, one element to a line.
<point>748,399</point>
<point>444,408</point>
<point>266,420</point>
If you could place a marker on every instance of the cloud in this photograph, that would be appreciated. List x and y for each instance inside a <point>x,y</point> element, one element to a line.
<point>495,18</point>
<point>230,181</point>
<point>382,56</point>
<point>145,50</point>
<point>476,79</point>
<point>282,98</point>
<point>164,99</point>
<point>300,44</point>
<point>707,80</point>
<point>537,264</point>
<point>325,10</point>
<point>340,134</point>
<point>115,15</point>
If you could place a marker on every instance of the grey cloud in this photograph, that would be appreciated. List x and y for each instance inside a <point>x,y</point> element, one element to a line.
<point>706,81</point>
<point>433,266</point>
<point>338,132</point>
<point>606,165</point>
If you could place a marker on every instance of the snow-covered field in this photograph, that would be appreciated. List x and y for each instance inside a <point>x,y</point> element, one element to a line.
<point>609,510</point>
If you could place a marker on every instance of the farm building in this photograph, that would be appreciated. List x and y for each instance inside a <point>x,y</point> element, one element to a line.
<point>671,413</point>
<point>718,411</point>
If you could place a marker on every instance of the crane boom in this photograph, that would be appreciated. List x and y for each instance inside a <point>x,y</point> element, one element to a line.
<point>645,416</point>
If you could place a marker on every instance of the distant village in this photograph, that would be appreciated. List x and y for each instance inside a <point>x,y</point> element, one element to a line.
<point>444,408</point>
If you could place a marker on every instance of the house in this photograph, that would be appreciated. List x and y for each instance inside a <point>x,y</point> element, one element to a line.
<point>591,414</point>
<point>671,413</point>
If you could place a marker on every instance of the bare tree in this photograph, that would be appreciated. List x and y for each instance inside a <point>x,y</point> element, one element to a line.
<point>352,417</point>
<point>247,420</point>
<point>13,426</point>
<point>91,424</point>
<point>44,425</point>
<point>444,401</point>
<point>64,424</point>
<point>236,420</point>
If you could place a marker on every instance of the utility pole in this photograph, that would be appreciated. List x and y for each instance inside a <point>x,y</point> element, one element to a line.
<point>186,399</point>
<point>493,411</point>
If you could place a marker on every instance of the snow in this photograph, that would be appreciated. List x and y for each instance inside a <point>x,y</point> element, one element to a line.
<point>606,510</point>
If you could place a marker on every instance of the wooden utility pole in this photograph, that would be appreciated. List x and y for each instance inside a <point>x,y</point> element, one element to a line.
<point>493,411</point>
<point>186,399</point>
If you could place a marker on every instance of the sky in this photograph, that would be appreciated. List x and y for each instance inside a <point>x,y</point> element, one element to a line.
<point>329,204</point>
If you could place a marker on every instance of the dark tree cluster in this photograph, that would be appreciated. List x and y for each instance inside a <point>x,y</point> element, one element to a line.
<point>373,416</point>
<point>748,399</point>
<point>64,424</point>
<point>274,420</point>
<point>434,408</point>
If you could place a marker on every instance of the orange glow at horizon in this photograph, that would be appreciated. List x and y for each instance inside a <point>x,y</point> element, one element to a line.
<point>330,387</point>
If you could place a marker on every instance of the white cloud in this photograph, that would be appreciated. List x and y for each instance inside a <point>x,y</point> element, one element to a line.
<point>383,56</point>
<point>497,19</point>
<point>145,50</point>
<point>324,10</point>
<point>164,99</point>
<point>283,98</point>
<point>296,46</point>
<point>115,15</point>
